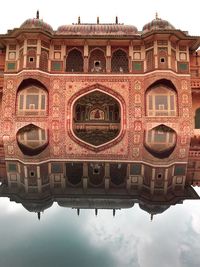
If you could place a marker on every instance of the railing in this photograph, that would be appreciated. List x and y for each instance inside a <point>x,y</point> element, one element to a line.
<point>195,83</point>
<point>31,112</point>
<point>161,113</point>
<point>196,132</point>
<point>96,126</point>
<point>194,153</point>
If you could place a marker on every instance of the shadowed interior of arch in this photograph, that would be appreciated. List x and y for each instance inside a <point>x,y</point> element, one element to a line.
<point>32,140</point>
<point>96,118</point>
<point>160,141</point>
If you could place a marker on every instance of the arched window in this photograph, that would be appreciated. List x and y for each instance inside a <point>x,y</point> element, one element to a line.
<point>74,62</point>
<point>118,173</point>
<point>197,119</point>
<point>161,101</point>
<point>74,172</point>
<point>119,62</point>
<point>32,101</point>
<point>97,61</point>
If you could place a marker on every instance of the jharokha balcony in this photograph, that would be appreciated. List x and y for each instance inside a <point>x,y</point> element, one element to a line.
<point>96,133</point>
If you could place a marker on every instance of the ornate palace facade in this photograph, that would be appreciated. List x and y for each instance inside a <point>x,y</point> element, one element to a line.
<point>97,99</point>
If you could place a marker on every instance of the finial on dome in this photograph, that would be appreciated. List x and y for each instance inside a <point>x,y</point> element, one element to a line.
<point>156,15</point>
<point>114,211</point>
<point>116,20</point>
<point>37,14</point>
<point>78,212</point>
<point>79,20</point>
<point>97,20</point>
<point>151,217</point>
<point>96,212</point>
<point>38,214</point>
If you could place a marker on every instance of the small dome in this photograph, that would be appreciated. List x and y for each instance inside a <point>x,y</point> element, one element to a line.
<point>157,24</point>
<point>153,209</point>
<point>36,23</point>
<point>37,205</point>
<point>97,29</point>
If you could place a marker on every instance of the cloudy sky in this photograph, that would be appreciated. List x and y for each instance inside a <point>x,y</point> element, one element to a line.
<point>182,14</point>
<point>130,239</point>
<point>61,238</point>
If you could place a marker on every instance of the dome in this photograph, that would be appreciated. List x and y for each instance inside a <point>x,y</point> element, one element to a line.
<point>97,29</point>
<point>157,24</point>
<point>36,23</point>
<point>37,206</point>
<point>153,209</point>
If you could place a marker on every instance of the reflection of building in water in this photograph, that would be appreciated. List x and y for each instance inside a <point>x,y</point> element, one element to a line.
<point>93,185</point>
<point>118,99</point>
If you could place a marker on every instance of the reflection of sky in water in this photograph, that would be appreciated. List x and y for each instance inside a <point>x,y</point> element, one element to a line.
<point>62,238</point>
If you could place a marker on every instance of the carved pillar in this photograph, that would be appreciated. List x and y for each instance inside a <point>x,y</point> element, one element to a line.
<point>177,57</point>
<point>38,54</point>
<point>25,53</point>
<point>63,56</point>
<point>130,56</point>
<point>39,181</point>
<point>51,56</point>
<point>85,54</point>
<point>143,57</point>
<point>128,181</point>
<point>51,178</point>
<point>107,176</point>
<point>26,179</point>
<point>17,56</point>
<point>166,181</point>
<point>152,185</point>
<point>155,54</point>
<point>108,57</point>
<point>85,176</point>
<point>169,55</point>
<point>140,182</point>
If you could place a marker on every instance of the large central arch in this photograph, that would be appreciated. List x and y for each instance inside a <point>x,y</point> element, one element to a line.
<point>97,117</point>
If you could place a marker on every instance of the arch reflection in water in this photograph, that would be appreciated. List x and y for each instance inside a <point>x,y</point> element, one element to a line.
<point>160,141</point>
<point>32,140</point>
<point>94,185</point>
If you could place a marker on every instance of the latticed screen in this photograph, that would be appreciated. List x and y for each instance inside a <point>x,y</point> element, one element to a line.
<point>33,134</point>
<point>74,61</point>
<point>161,101</point>
<point>119,62</point>
<point>32,99</point>
<point>159,136</point>
<point>161,105</point>
<point>150,59</point>
<point>44,60</point>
